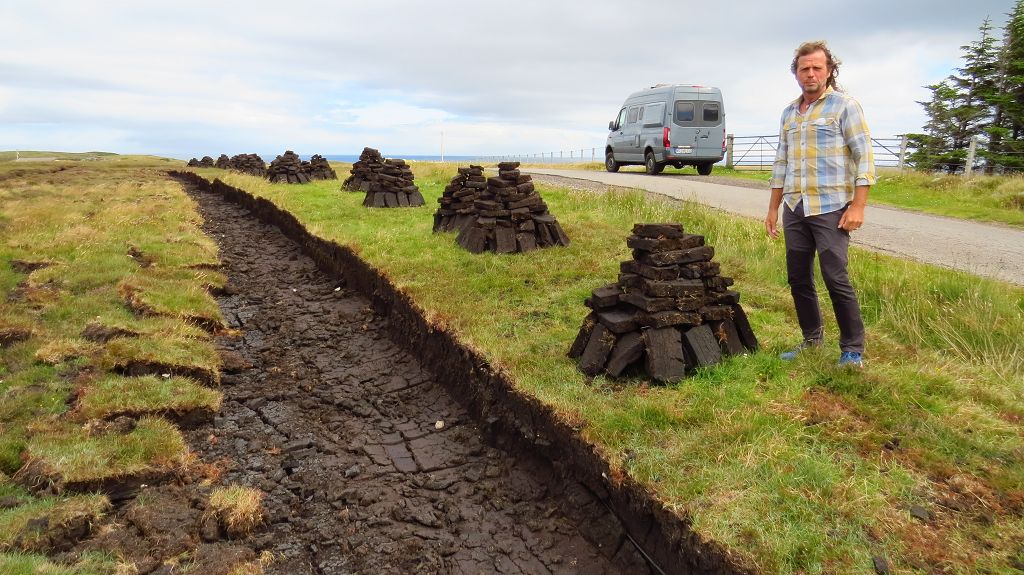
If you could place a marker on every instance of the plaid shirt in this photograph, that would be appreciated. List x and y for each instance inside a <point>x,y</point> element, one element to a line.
<point>823,153</point>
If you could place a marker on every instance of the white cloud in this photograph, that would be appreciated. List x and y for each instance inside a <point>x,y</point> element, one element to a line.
<point>386,115</point>
<point>190,78</point>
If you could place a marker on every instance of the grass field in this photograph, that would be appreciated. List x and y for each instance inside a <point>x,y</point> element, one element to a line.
<point>796,467</point>
<point>102,265</point>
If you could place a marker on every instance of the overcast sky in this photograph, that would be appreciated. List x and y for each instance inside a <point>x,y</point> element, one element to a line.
<point>193,78</point>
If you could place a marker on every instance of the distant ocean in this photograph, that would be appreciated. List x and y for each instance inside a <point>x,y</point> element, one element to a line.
<point>351,158</point>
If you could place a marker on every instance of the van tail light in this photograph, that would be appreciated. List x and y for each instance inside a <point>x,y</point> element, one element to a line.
<point>664,138</point>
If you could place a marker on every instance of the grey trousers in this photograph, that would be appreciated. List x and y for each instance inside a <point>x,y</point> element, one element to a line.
<point>806,235</point>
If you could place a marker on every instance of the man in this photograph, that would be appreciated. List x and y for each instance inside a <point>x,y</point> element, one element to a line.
<point>823,171</point>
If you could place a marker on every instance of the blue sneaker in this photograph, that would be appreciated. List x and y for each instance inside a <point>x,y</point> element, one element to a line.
<point>791,354</point>
<point>851,359</point>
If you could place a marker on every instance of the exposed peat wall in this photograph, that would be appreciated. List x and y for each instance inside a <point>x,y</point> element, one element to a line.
<point>511,418</point>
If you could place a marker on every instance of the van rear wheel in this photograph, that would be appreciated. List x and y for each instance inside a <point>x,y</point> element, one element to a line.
<point>652,165</point>
<point>705,168</point>
<point>609,163</point>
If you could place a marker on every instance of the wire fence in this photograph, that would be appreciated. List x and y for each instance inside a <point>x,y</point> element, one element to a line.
<point>745,152</point>
<point>758,153</point>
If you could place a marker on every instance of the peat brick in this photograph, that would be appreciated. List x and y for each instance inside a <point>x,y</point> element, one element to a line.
<point>718,282</point>
<point>675,257</point>
<point>702,346</point>
<point>475,240</point>
<point>505,239</point>
<point>595,355</point>
<point>747,337</point>
<point>618,321</point>
<point>727,336</point>
<point>580,343</point>
<point>727,298</point>
<point>650,272</point>
<point>627,350</point>
<point>672,288</point>
<point>663,358</point>
<point>559,234</point>
<point>687,241</point>
<point>631,281</point>
<point>668,318</point>
<point>526,242</point>
<point>648,303</point>
<point>606,296</point>
<point>716,312</point>
<point>667,230</point>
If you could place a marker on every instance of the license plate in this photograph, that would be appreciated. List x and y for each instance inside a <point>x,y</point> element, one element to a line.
<point>686,150</point>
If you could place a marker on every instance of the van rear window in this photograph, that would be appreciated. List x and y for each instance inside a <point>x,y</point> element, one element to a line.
<point>710,112</point>
<point>684,112</point>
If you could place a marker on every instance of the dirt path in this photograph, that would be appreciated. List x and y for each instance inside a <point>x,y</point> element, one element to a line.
<point>369,465</point>
<point>987,250</point>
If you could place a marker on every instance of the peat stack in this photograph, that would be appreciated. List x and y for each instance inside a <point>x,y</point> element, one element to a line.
<point>193,163</point>
<point>287,169</point>
<point>364,171</point>
<point>393,187</point>
<point>206,162</point>
<point>510,217</point>
<point>457,200</point>
<point>320,169</point>
<point>670,312</point>
<point>250,164</point>
<point>223,162</point>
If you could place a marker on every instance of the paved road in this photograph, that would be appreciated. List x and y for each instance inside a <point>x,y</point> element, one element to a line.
<point>984,249</point>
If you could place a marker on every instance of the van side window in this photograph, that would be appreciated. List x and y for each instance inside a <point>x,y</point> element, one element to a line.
<point>633,112</point>
<point>684,112</point>
<point>710,112</point>
<point>653,114</point>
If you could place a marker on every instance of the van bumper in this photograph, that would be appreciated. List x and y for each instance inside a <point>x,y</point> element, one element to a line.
<point>687,155</point>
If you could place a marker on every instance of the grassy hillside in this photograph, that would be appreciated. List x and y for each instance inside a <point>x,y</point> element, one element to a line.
<point>10,156</point>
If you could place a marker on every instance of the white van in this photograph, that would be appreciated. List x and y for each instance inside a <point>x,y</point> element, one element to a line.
<point>668,125</point>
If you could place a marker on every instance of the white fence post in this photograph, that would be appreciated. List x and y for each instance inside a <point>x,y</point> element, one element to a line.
<point>728,150</point>
<point>903,152</point>
<point>969,164</point>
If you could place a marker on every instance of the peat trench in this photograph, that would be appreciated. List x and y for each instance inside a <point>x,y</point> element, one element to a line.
<point>373,462</point>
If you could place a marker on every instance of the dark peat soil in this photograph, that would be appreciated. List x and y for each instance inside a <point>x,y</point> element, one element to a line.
<point>367,463</point>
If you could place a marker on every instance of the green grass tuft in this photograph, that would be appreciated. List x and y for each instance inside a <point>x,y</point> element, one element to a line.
<point>114,395</point>
<point>73,455</point>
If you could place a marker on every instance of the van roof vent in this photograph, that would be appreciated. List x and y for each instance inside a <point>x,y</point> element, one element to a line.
<point>660,85</point>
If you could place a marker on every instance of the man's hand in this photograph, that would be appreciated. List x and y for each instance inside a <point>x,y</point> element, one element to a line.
<point>771,223</point>
<point>853,218</point>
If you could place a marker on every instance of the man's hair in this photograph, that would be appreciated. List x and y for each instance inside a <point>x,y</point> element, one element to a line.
<point>831,61</point>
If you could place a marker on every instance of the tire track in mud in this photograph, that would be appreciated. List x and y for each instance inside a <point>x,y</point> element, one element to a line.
<point>368,464</point>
